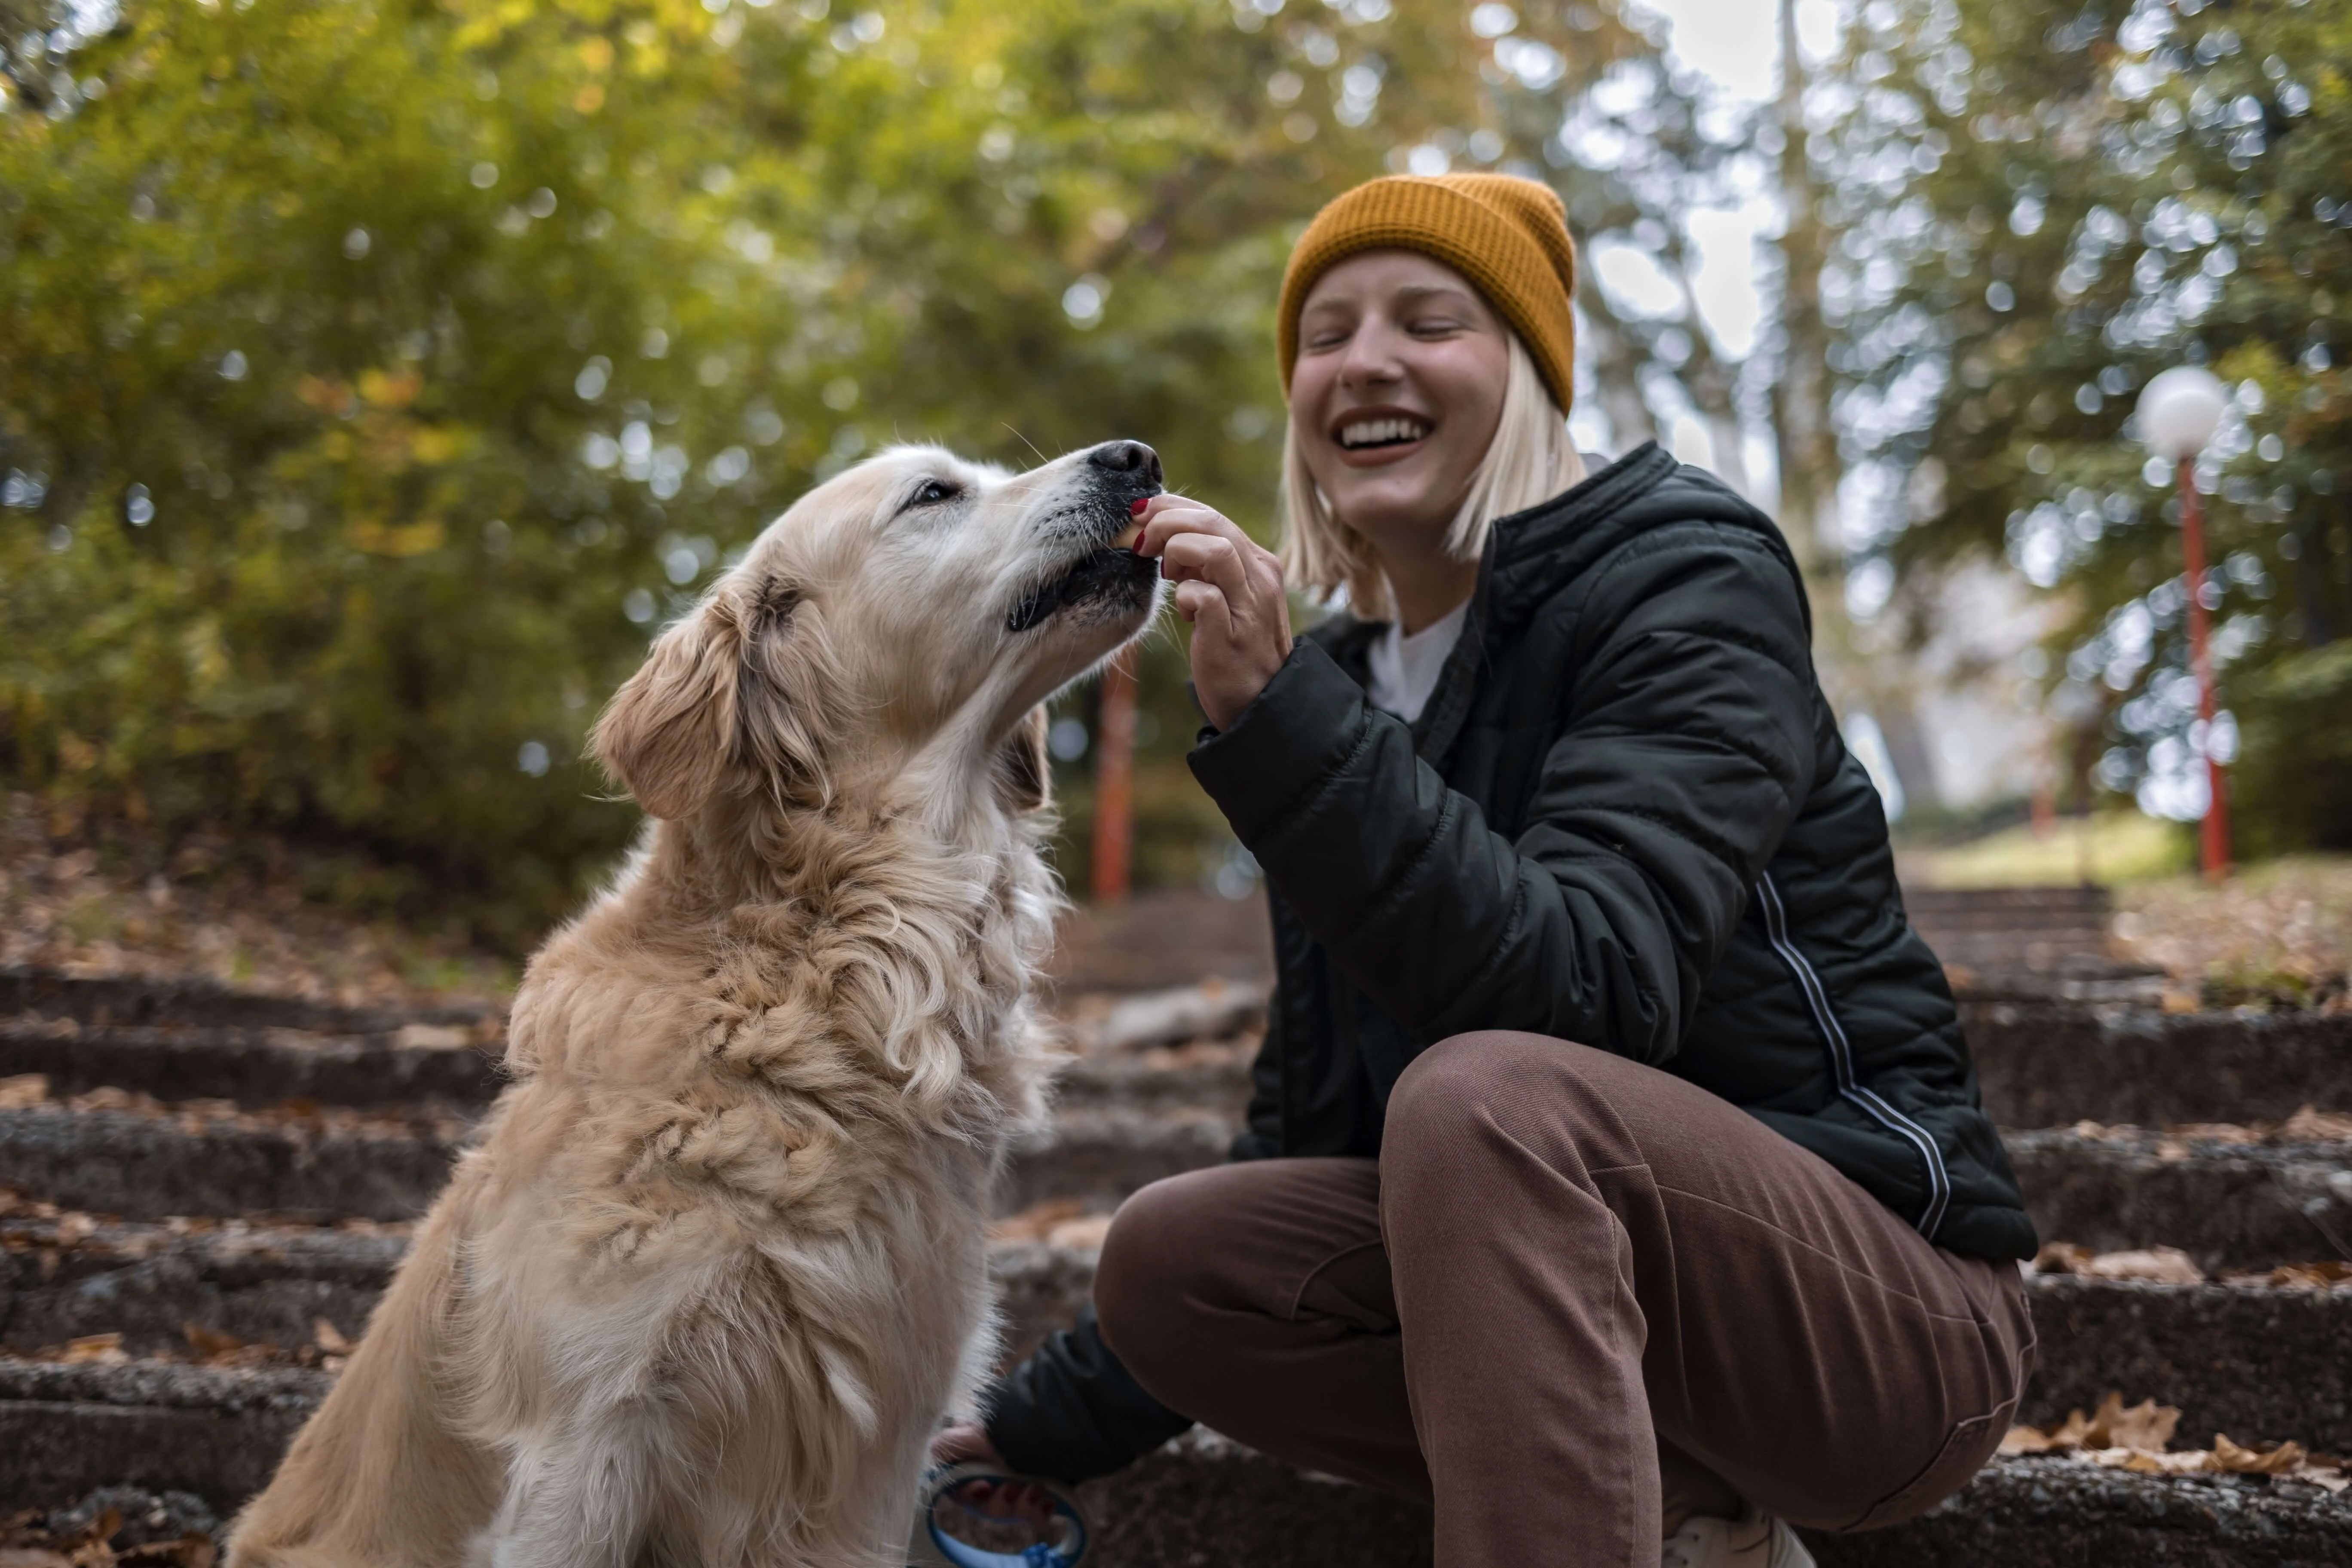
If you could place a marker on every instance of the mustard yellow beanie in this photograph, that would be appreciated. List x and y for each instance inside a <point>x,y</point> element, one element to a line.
<point>1507,234</point>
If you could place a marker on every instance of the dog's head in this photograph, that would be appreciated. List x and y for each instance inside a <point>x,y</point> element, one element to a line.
<point>915,610</point>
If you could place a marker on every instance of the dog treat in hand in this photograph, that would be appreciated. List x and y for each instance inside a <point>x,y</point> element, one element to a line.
<point>1127,538</point>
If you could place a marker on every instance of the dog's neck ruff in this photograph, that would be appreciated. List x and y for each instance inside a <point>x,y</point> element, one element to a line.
<point>842,948</point>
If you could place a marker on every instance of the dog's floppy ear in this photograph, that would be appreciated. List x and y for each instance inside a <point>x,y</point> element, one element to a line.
<point>723,693</point>
<point>1025,779</point>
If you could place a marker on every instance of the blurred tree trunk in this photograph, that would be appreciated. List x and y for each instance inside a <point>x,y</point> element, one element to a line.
<point>1800,402</point>
<point>1808,452</point>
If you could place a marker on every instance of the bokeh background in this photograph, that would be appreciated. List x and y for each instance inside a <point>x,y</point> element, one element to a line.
<point>377,375</point>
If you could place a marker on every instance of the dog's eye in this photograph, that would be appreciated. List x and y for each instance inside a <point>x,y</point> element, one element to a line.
<point>931,492</point>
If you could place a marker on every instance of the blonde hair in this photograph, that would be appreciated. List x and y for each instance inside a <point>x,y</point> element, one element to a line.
<point>1529,461</point>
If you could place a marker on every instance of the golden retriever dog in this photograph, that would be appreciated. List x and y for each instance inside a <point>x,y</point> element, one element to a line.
<point>715,1269</point>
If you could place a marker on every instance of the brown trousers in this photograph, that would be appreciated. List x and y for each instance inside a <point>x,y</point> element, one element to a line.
<point>1573,1295</point>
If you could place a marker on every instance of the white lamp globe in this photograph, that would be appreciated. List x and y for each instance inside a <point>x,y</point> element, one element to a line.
<point>2180,411</point>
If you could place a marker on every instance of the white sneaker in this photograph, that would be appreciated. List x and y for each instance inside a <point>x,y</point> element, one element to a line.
<point>1755,1539</point>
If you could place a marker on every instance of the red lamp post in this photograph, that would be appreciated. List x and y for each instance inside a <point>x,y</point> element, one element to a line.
<point>2213,837</point>
<point>2179,413</point>
<point>1114,841</point>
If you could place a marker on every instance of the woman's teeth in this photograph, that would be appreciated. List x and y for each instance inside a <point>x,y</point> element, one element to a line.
<point>1381,432</point>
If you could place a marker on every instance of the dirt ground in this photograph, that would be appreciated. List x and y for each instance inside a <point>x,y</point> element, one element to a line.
<point>2279,933</point>
<point>83,911</point>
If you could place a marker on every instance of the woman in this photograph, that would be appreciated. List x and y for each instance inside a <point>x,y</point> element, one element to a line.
<point>1743,1253</point>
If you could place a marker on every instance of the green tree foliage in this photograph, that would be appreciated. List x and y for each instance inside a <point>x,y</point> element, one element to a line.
<point>2039,208</point>
<point>376,374</point>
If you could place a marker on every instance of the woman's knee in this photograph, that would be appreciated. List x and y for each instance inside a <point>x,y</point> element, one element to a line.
<point>1453,1093</point>
<point>1160,1245</point>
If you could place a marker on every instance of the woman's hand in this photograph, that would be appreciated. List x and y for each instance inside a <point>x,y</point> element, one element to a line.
<point>965,1443</point>
<point>1230,588</point>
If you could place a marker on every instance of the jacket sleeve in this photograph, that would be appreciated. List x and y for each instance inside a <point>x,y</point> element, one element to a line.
<point>1685,751</point>
<point>1071,1412</point>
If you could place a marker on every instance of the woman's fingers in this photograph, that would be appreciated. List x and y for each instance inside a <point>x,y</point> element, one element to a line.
<point>1207,556</point>
<point>1196,597</point>
<point>961,1442</point>
<point>1230,588</point>
<point>1171,516</point>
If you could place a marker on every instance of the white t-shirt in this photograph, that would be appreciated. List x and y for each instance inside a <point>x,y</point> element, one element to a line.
<point>1405,669</point>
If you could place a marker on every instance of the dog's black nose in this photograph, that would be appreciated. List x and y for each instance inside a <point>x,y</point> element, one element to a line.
<point>1127,457</point>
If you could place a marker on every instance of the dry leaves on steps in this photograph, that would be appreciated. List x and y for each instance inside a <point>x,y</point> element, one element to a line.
<point>2139,1437</point>
<point>2168,1265</point>
<point>1058,1222</point>
<point>27,1541</point>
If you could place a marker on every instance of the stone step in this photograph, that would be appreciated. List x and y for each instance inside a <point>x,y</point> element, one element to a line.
<point>1202,1499</point>
<point>146,1165</point>
<point>2050,1064</point>
<point>2254,1361</point>
<point>2041,1063</point>
<point>415,1065</point>
<point>216,1434</point>
<point>2257,1361</point>
<point>316,1167</point>
<point>192,1003</point>
<point>1943,904</point>
<point>2229,1206</point>
<point>70,1277</point>
<point>438,1066</point>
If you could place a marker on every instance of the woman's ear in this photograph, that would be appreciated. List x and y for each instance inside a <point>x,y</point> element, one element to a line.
<point>1025,779</point>
<point>727,690</point>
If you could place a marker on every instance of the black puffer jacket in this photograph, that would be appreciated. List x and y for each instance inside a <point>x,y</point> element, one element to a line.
<point>1626,818</point>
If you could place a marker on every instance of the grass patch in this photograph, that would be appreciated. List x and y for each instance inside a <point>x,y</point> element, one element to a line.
<point>2116,848</point>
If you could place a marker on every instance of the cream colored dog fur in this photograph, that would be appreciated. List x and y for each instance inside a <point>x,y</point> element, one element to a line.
<point>715,1269</point>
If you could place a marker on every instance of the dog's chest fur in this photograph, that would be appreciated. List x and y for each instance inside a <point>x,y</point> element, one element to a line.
<point>809,1064</point>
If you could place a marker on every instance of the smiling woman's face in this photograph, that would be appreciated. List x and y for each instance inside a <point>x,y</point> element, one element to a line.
<point>1396,395</point>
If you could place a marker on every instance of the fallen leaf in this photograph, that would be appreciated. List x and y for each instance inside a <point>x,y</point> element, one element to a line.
<point>325,1335</point>
<point>208,1343</point>
<point>2309,1125</point>
<point>100,1350</point>
<point>23,1091</point>
<point>2061,1257</point>
<point>2168,1265</point>
<point>2323,1275</point>
<point>2147,1426</point>
<point>2138,1439</point>
<point>214,1348</point>
<point>2216,1132</point>
<point>1035,1223</point>
<point>1083,1234</point>
<point>2272,1459</point>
